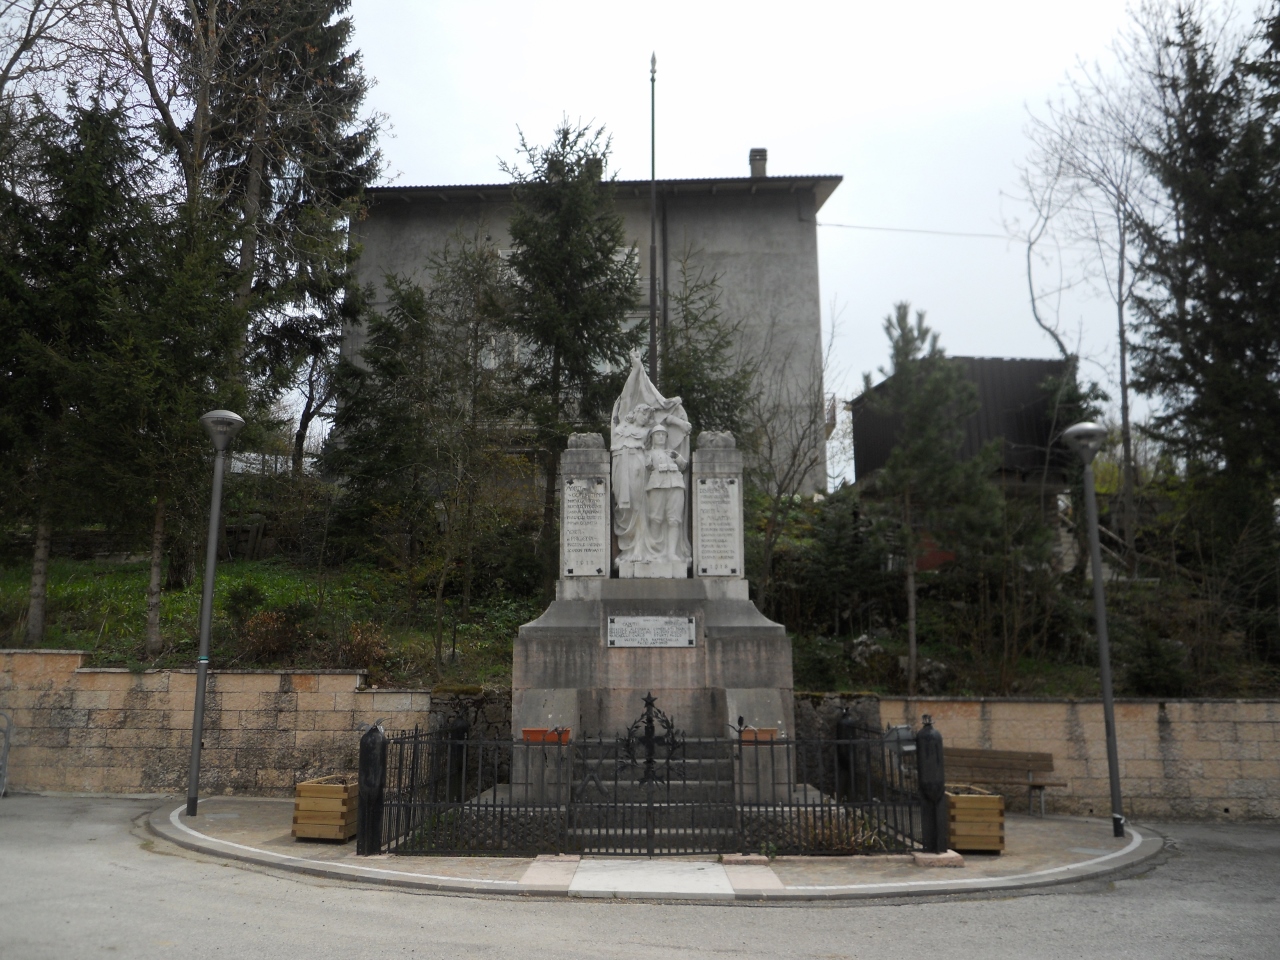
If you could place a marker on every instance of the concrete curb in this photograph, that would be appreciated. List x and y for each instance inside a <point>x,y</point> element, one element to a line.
<point>164,822</point>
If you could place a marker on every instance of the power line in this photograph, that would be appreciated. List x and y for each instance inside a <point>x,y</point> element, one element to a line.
<point>936,233</point>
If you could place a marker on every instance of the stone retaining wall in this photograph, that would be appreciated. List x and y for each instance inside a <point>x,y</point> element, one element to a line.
<point>1179,759</point>
<point>110,730</point>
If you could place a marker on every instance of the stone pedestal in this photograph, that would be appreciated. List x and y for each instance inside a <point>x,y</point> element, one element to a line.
<point>730,662</point>
<point>698,644</point>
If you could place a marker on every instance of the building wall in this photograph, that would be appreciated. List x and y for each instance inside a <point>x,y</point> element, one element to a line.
<point>110,730</point>
<point>762,246</point>
<point>1179,759</point>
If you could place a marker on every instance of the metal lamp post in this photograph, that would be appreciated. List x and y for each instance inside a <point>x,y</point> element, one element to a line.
<point>1086,439</point>
<point>222,426</point>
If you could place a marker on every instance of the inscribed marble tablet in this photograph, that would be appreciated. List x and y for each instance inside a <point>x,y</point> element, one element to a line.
<point>652,631</point>
<point>718,527</point>
<point>584,528</point>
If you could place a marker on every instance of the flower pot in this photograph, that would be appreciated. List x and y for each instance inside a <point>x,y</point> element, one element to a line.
<point>543,735</point>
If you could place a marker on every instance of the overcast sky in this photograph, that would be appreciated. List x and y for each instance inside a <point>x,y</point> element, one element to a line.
<point>920,106</point>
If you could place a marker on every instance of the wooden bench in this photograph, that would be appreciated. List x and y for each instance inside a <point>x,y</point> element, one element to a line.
<point>1001,768</point>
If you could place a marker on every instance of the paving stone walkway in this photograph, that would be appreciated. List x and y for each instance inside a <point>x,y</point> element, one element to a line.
<point>1038,852</point>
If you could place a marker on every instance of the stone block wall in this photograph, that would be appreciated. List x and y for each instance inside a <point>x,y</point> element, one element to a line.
<point>109,730</point>
<point>1179,759</point>
<point>102,730</point>
<point>817,713</point>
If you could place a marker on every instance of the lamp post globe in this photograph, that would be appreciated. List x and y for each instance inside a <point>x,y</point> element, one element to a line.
<point>222,427</point>
<point>1086,439</point>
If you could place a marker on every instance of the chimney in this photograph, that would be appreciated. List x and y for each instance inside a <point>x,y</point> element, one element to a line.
<point>759,157</point>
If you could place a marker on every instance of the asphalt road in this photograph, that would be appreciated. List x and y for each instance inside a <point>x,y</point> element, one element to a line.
<point>80,878</point>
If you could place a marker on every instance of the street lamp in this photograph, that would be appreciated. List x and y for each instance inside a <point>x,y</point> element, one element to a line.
<point>222,427</point>
<point>1086,439</point>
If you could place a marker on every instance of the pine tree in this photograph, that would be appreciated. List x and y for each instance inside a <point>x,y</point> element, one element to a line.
<point>701,361</point>
<point>117,341</point>
<point>1209,273</point>
<point>423,423</point>
<point>575,281</point>
<point>257,102</point>
<point>925,492</point>
<point>68,237</point>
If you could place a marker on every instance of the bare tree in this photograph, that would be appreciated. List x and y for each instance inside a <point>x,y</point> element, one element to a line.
<point>1085,143</point>
<point>318,388</point>
<point>785,443</point>
<point>37,39</point>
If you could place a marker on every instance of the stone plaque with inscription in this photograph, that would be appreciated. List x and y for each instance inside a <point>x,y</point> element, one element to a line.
<point>652,632</point>
<point>717,521</point>
<point>584,527</point>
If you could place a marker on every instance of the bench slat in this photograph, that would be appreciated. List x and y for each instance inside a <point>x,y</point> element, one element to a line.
<point>1022,768</point>
<point>1015,755</point>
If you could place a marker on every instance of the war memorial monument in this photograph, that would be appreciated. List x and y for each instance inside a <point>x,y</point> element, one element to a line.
<point>652,596</point>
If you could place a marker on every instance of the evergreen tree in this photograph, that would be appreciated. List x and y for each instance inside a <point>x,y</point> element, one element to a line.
<point>117,340</point>
<point>66,239</point>
<point>1209,273</point>
<point>926,494</point>
<point>423,422</point>
<point>168,356</point>
<point>258,103</point>
<point>575,281</point>
<point>701,360</point>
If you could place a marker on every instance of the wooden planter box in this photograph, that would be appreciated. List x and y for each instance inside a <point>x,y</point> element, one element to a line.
<point>325,809</point>
<point>977,823</point>
<point>758,734</point>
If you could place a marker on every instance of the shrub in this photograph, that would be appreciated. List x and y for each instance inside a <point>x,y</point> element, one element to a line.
<point>269,635</point>
<point>243,601</point>
<point>364,646</point>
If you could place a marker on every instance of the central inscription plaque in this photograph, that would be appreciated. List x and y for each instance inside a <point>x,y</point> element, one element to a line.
<point>652,631</point>
<point>584,528</point>
<point>717,541</point>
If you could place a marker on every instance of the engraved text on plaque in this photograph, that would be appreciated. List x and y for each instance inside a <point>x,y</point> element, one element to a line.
<point>652,631</point>
<point>718,533</point>
<point>584,528</point>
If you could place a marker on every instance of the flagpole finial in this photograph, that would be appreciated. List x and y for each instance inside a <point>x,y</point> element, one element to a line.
<point>653,65</point>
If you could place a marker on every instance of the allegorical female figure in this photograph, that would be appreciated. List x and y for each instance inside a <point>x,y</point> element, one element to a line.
<point>627,444</point>
<point>638,411</point>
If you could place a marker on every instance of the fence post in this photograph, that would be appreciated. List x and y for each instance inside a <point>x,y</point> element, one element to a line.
<point>932,776</point>
<point>457,737</point>
<point>846,758</point>
<point>373,781</point>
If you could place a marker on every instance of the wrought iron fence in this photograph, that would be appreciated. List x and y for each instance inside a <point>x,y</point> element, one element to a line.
<point>650,791</point>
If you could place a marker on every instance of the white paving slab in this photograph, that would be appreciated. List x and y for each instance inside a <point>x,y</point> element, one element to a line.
<point>650,878</point>
<point>550,873</point>
<point>753,877</point>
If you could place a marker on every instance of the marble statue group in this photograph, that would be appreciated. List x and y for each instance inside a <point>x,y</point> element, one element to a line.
<point>649,446</point>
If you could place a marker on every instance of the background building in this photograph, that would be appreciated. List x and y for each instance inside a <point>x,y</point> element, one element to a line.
<point>1015,406</point>
<point>757,234</point>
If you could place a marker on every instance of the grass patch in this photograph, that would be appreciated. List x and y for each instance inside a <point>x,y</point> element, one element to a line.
<point>100,608</point>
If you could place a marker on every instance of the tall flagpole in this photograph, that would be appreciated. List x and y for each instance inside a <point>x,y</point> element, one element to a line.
<point>653,222</point>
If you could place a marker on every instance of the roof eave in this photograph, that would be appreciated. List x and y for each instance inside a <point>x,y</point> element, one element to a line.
<point>821,185</point>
